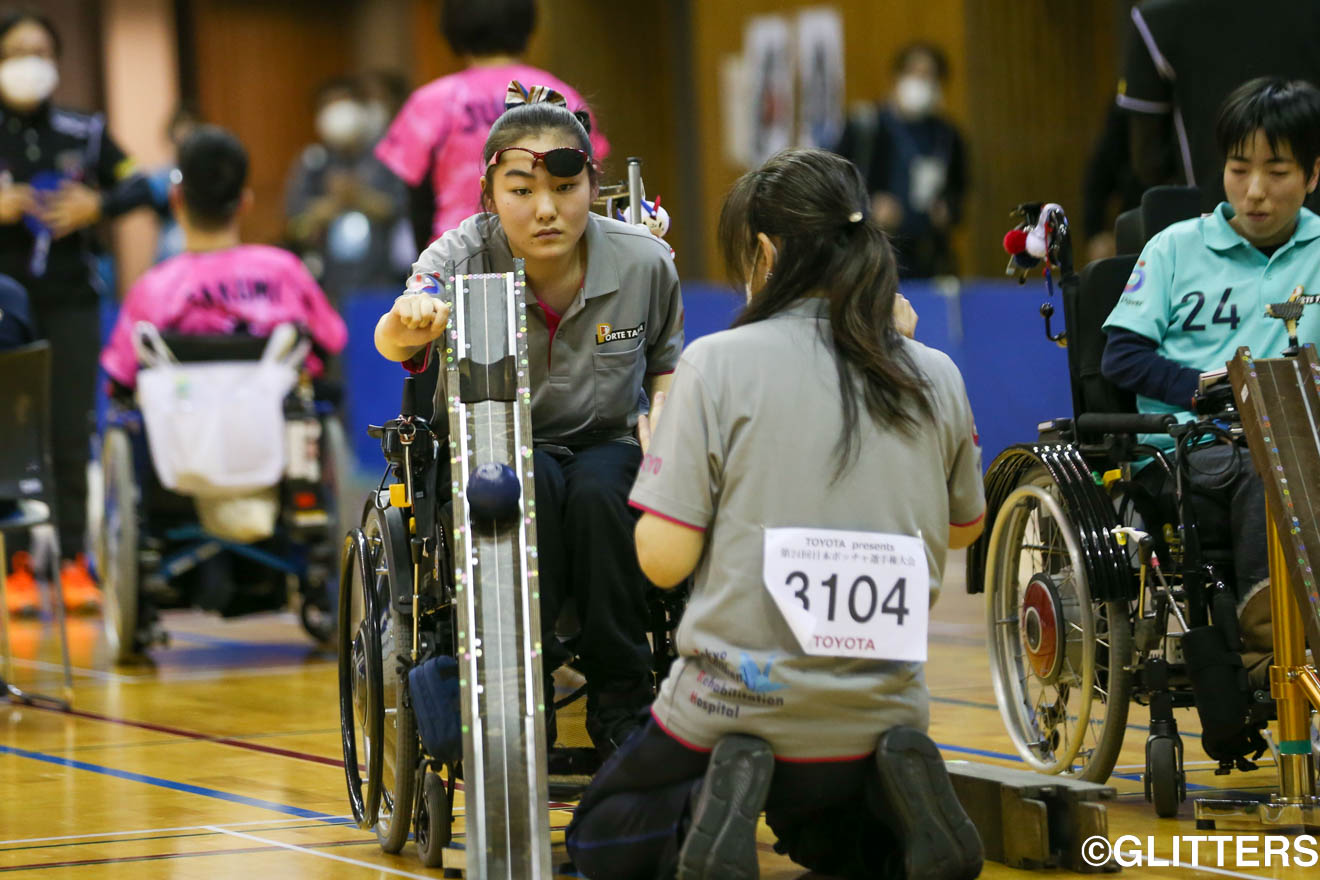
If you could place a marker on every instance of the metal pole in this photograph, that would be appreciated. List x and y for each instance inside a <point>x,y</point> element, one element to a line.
<point>636,194</point>
<point>1296,762</point>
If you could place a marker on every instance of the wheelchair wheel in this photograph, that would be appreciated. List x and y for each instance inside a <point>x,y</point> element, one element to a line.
<point>1060,660</point>
<point>1166,786</point>
<point>435,818</point>
<point>117,546</point>
<point>361,711</point>
<point>399,742</point>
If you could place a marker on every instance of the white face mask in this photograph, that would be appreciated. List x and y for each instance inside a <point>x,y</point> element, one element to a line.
<point>747,285</point>
<point>377,118</point>
<point>28,80</point>
<point>341,123</point>
<point>916,95</point>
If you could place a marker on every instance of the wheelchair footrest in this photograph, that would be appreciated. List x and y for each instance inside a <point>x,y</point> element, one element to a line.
<point>1029,820</point>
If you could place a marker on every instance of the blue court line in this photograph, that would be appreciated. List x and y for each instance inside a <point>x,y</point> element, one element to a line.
<point>1004,756</point>
<point>975,704</point>
<point>286,809</point>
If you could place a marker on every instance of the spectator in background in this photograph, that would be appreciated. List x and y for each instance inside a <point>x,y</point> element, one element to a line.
<point>60,174</point>
<point>384,92</point>
<point>434,144</point>
<point>1182,59</point>
<point>169,237</point>
<point>341,203</point>
<point>914,163</point>
<point>1109,177</point>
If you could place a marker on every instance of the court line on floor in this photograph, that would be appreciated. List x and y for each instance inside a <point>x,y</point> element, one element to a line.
<point>976,704</point>
<point>159,857</point>
<point>268,825</point>
<point>1004,756</point>
<point>162,830</point>
<point>293,847</point>
<point>159,782</point>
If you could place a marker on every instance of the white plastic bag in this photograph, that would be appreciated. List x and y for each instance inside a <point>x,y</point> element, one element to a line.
<point>216,429</point>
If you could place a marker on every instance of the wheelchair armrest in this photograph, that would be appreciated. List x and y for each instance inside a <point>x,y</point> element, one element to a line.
<point>375,431</point>
<point>1125,423</point>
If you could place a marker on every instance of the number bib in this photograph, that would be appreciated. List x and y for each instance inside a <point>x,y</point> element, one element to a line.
<point>851,594</point>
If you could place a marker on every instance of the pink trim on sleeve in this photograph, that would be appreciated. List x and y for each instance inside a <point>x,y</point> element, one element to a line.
<point>675,737</point>
<point>662,373</point>
<point>678,522</point>
<point>411,364</point>
<point>966,524</point>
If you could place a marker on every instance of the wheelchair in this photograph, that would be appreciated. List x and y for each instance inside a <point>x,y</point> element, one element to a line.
<point>152,553</point>
<point>401,617</point>
<point>1098,592</point>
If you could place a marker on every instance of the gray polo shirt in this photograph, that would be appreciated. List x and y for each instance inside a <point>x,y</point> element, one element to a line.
<point>746,442</point>
<point>587,364</point>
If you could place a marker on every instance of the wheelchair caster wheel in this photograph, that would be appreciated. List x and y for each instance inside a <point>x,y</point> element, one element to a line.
<point>435,819</point>
<point>1166,783</point>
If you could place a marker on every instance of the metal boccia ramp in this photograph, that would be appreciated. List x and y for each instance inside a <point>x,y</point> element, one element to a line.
<point>498,615</point>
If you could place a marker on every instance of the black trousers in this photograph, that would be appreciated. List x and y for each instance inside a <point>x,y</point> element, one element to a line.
<point>584,537</point>
<point>68,315</point>
<point>1229,500</point>
<point>631,821</point>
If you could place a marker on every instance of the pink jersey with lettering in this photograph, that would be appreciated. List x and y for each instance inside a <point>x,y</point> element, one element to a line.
<point>251,288</point>
<point>443,127</point>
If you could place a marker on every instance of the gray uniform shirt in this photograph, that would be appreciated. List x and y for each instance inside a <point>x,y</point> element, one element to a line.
<point>625,324</point>
<point>747,442</point>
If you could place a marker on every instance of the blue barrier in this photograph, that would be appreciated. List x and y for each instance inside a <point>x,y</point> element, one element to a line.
<point>1015,377</point>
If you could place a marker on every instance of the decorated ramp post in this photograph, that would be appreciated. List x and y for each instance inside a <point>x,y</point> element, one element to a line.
<point>498,616</point>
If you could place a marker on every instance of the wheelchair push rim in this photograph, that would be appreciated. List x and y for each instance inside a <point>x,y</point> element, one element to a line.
<point>361,715</point>
<point>1042,633</point>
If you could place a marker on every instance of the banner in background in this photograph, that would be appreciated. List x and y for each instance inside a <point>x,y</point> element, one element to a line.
<point>767,53</point>
<point>820,77</point>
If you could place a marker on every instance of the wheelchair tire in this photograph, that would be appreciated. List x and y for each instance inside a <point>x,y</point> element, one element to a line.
<point>361,710</point>
<point>1166,786</point>
<point>117,546</point>
<point>1060,660</point>
<point>435,818</point>
<point>400,746</point>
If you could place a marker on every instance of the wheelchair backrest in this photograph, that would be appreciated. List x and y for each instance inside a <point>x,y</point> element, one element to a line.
<point>1086,305</point>
<point>25,423</point>
<point>192,348</point>
<point>1161,206</point>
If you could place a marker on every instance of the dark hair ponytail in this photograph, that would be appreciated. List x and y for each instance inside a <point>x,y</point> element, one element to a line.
<point>813,204</point>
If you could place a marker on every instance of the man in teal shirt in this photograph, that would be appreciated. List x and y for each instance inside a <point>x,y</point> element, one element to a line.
<point>1200,288</point>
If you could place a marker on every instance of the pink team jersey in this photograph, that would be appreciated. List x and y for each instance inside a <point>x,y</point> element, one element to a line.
<point>443,127</point>
<point>252,286</point>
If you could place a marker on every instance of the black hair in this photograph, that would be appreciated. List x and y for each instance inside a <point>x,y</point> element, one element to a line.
<point>214,166</point>
<point>1288,111</point>
<point>349,85</point>
<point>14,18</point>
<point>488,27</point>
<point>813,205</point>
<point>931,51</point>
<point>526,120</point>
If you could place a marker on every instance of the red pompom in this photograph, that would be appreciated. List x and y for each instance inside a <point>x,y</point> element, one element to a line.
<point>1015,241</point>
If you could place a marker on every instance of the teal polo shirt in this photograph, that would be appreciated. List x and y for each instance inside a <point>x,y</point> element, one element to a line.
<point>1200,289</point>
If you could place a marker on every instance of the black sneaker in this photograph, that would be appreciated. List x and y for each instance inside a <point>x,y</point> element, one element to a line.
<point>721,840</point>
<point>613,716</point>
<point>916,800</point>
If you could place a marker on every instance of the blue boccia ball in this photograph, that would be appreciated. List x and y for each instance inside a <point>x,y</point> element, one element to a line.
<point>493,492</point>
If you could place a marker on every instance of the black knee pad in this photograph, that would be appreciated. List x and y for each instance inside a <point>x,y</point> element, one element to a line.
<point>1219,683</point>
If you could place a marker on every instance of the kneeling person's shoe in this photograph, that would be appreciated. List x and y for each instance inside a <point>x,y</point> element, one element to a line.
<point>916,800</point>
<point>721,840</point>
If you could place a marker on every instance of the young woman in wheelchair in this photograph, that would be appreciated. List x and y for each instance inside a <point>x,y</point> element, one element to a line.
<point>1199,292</point>
<point>219,285</point>
<point>813,423</point>
<point>605,331</point>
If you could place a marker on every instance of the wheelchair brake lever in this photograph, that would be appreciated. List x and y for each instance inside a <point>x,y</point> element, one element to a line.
<point>1059,339</point>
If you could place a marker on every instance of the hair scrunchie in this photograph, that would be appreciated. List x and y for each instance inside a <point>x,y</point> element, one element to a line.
<point>518,94</point>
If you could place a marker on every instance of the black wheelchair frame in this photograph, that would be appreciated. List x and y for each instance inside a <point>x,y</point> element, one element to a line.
<point>1088,617</point>
<point>394,783</point>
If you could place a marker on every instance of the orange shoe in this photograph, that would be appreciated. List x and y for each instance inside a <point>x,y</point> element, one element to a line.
<point>21,587</point>
<point>80,590</point>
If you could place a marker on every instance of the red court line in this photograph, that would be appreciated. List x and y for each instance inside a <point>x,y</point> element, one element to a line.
<point>205,737</point>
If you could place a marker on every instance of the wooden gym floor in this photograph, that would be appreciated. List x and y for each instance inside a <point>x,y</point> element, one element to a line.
<point>223,759</point>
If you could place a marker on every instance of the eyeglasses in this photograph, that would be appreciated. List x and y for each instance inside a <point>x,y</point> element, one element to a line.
<point>560,162</point>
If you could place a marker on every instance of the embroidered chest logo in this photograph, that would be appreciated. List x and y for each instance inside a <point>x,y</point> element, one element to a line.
<point>606,333</point>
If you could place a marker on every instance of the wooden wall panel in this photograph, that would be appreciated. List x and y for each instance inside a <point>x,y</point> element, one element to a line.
<point>258,65</point>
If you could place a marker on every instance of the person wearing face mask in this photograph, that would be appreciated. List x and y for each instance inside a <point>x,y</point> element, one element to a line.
<point>341,202</point>
<point>60,174</point>
<point>914,163</point>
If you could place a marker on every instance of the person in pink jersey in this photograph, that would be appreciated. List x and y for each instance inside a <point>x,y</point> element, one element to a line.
<point>218,284</point>
<point>434,144</point>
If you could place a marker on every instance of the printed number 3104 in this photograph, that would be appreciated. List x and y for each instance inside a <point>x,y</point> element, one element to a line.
<point>863,597</point>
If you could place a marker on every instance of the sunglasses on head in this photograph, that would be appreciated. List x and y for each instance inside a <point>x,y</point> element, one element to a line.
<point>559,162</point>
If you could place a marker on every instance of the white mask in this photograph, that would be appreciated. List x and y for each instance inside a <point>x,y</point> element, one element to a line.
<point>747,285</point>
<point>28,80</point>
<point>341,123</point>
<point>916,95</point>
